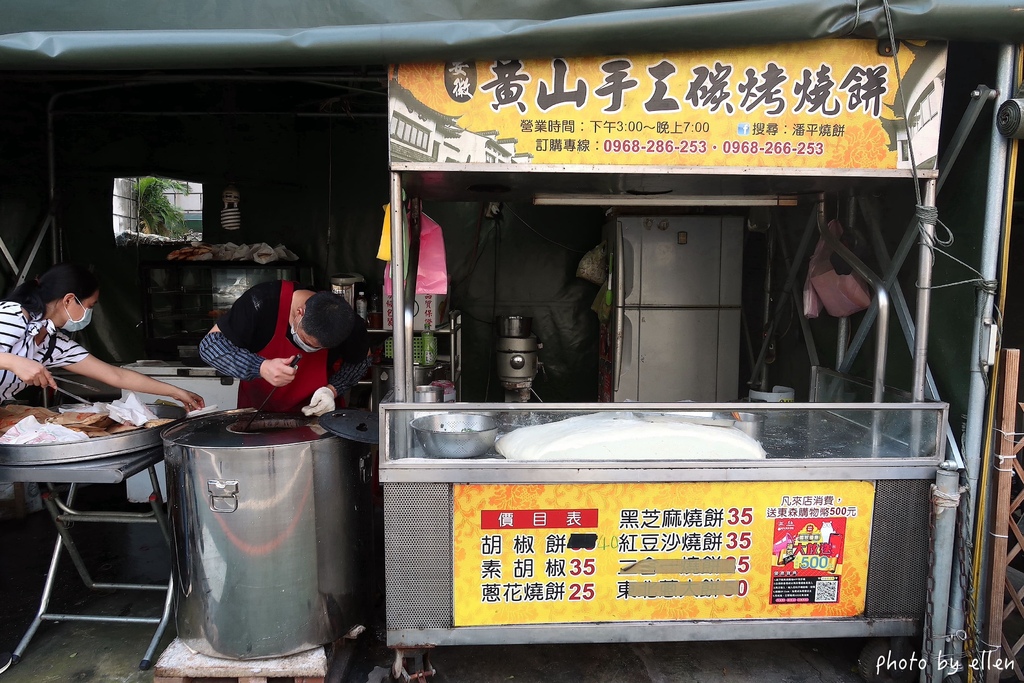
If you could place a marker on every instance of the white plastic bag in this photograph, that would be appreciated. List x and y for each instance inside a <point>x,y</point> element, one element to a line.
<point>130,410</point>
<point>30,430</point>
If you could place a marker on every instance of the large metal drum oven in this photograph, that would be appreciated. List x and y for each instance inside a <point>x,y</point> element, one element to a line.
<point>270,533</point>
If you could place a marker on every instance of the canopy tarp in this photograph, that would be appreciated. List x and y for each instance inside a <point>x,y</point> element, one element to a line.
<point>189,34</point>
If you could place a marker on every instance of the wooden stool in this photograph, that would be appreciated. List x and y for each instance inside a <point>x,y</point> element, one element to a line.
<point>178,664</point>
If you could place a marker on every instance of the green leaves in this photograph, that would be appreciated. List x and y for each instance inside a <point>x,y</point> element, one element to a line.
<point>157,213</point>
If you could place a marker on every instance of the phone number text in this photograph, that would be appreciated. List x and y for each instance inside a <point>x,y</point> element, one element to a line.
<point>816,149</point>
<point>747,147</point>
<point>657,146</point>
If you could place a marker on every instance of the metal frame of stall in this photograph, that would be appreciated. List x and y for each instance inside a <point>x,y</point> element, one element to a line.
<point>943,615</point>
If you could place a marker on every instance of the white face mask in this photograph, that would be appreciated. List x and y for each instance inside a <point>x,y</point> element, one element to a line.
<point>301,344</point>
<point>73,325</point>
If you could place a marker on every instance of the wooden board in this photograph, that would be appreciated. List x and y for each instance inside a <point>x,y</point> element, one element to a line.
<point>179,664</point>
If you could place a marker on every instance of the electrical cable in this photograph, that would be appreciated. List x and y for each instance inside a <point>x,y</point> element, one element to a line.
<point>538,234</point>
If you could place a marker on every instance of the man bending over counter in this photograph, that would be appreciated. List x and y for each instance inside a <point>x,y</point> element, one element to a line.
<point>301,348</point>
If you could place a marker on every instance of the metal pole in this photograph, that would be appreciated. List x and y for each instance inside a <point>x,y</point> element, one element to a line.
<point>794,268</point>
<point>843,331</point>
<point>882,332</point>
<point>979,98</point>
<point>924,295</point>
<point>403,360</point>
<point>945,499</point>
<point>903,315</point>
<point>974,427</point>
<point>842,334</point>
<point>770,236</point>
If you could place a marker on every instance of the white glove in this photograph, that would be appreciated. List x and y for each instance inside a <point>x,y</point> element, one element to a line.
<point>322,402</point>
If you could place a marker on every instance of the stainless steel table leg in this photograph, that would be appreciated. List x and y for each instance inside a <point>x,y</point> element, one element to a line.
<point>156,501</point>
<point>44,602</point>
<point>65,535</point>
<point>165,618</point>
<point>61,513</point>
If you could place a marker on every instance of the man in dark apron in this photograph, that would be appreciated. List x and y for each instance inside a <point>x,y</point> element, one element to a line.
<point>272,325</point>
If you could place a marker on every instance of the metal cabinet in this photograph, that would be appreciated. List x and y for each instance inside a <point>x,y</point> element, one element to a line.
<point>181,300</point>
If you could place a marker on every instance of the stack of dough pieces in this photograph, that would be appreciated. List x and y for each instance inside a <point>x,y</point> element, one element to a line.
<point>628,436</point>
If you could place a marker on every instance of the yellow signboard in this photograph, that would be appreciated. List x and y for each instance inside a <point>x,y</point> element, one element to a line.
<point>535,554</point>
<point>829,104</point>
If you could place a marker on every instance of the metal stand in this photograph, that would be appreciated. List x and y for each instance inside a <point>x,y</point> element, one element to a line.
<point>64,515</point>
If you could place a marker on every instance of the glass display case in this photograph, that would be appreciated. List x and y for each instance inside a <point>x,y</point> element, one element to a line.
<point>662,435</point>
<point>672,521</point>
<point>181,300</point>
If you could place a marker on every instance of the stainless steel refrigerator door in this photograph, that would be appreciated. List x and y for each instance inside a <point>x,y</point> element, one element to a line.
<point>671,260</point>
<point>673,355</point>
<point>731,277</point>
<point>728,355</point>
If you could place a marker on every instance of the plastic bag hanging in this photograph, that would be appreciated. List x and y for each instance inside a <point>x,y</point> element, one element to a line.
<point>384,249</point>
<point>432,271</point>
<point>841,295</point>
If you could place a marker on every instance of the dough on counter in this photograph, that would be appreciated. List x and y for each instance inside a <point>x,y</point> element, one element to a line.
<point>627,436</point>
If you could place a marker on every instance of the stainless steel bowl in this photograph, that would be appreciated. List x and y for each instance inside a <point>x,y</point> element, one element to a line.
<point>751,424</point>
<point>428,393</point>
<point>455,435</point>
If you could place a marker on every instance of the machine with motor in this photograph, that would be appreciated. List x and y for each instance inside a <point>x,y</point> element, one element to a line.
<point>516,350</point>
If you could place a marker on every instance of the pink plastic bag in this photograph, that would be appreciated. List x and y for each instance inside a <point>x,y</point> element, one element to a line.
<point>432,273</point>
<point>840,295</point>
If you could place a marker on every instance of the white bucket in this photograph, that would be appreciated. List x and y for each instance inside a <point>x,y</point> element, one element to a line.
<point>778,394</point>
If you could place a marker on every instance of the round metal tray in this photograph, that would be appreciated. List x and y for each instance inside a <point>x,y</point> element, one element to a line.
<point>93,449</point>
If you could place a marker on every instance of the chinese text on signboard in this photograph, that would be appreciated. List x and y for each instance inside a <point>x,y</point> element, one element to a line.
<point>828,104</point>
<point>612,552</point>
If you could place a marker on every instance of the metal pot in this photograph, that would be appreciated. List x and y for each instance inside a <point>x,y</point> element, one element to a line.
<point>428,394</point>
<point>270,533</point>
<point>514,326</point>
<point>384,380</point>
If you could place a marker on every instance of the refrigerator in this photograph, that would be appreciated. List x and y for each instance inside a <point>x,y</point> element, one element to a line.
<point>673,333</point>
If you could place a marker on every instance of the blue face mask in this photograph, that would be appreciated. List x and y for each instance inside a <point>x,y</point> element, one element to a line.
<point>73,325</point>
<point>303,345</point>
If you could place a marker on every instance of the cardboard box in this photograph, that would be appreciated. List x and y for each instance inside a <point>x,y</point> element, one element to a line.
<point>429,309</point>
<point>18,499</point>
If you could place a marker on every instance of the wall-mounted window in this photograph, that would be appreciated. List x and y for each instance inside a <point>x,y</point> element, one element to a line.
<point>155,209</point>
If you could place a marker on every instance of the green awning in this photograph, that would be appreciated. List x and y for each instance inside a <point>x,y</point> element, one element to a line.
<point>190,34</point>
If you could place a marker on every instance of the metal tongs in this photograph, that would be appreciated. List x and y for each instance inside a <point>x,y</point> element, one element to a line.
<point>294,364</point>
<point>68,393</point>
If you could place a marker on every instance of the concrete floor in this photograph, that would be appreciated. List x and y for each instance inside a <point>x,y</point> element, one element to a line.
<point>75,651</point>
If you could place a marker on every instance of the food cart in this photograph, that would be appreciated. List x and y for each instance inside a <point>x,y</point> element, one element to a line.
<point>611,522</point>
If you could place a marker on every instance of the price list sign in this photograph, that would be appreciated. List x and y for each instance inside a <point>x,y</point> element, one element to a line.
<point>530,554</point>
<point>835,104</point>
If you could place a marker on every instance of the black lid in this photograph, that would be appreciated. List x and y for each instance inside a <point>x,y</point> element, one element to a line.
<point>354,425</point>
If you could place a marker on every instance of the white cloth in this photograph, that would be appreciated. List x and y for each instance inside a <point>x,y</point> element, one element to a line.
<point>321,402</point>
<point>17,336</point>
<point>627,436</point>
